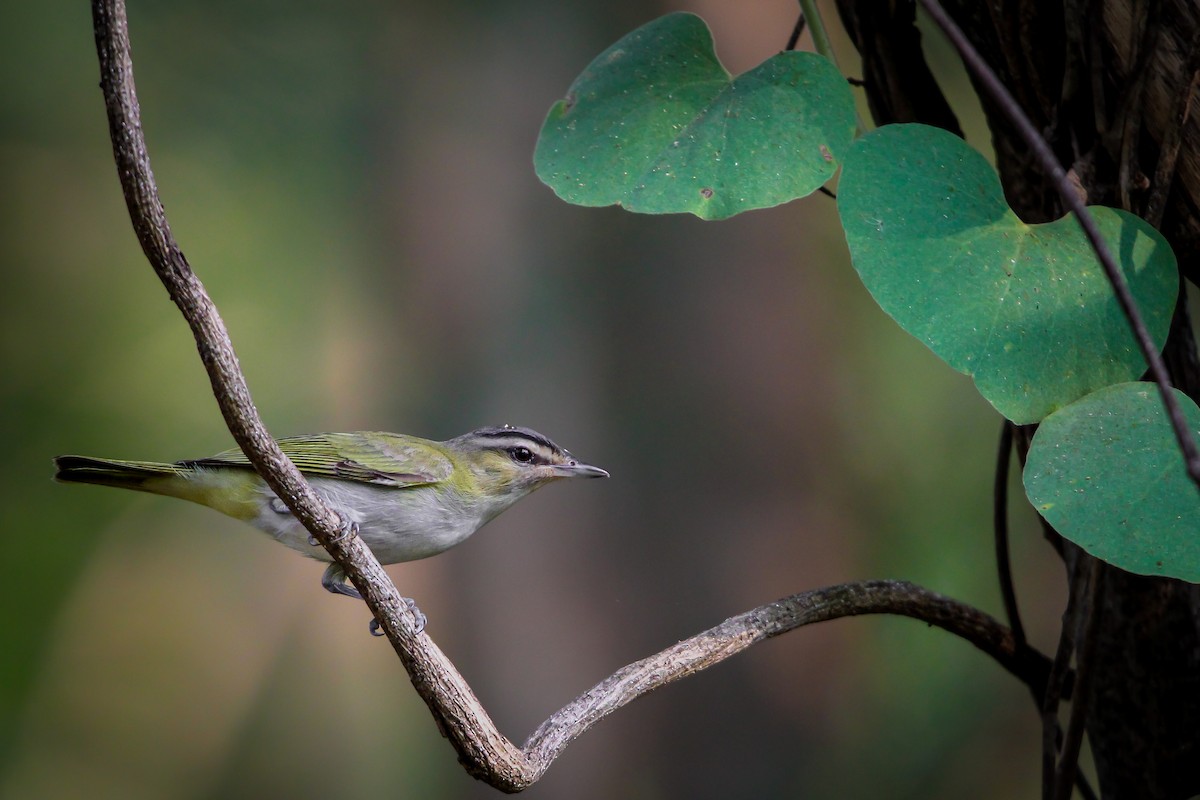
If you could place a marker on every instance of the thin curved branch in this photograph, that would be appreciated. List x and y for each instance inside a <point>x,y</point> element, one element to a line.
<point>492,758</point>
<point>1000,532</point>
<point>1045,158</point>
<point>738,633</point>
<point>483,750</point>
<point>212,339</point>
<point>185,289</point>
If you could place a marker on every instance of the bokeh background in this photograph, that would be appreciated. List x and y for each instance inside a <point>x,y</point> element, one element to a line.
<point>353,182</point>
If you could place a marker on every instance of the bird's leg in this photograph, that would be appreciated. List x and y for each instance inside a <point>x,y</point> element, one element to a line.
<point>334,581</point>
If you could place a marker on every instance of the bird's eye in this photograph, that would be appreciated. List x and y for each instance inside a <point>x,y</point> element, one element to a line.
<point>522,455</point>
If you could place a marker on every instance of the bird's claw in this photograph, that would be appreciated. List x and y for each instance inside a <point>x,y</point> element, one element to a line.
<point>417,613</point>
<point>421,619</point>
<point>349,529</point>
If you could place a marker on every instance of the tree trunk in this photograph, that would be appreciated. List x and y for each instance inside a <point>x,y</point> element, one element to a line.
<point>1111,85</point>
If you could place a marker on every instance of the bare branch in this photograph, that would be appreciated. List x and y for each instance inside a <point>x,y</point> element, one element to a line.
<point>212,339</point>
<point>738,633</point>
<point>492,758</point>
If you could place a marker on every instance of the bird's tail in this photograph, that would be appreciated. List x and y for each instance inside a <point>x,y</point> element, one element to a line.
<point>142,476</point>
<point>235,491</point>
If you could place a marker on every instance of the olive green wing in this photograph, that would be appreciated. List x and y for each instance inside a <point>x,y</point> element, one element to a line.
<point>384,459</point>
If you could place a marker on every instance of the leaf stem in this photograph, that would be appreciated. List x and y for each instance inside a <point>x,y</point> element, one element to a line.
<point>817,26</point>
<point>820,36</point>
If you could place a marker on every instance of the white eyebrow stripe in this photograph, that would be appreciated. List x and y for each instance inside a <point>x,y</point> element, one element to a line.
<point>506,442</point>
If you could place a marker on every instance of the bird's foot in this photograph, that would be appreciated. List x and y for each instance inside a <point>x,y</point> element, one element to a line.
<point>334,581</point>
<point>348,529</point>
<point>412,606</point>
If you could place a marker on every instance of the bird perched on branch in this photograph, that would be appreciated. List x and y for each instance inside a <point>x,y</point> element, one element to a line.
<point>408,498</point>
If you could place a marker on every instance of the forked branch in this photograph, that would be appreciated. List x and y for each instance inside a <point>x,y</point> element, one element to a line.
<point>484,751</point>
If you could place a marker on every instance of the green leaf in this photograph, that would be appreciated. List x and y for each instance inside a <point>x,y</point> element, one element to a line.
<point>1107,473</point>
<point>655,124</point>
<point>1024,309</point>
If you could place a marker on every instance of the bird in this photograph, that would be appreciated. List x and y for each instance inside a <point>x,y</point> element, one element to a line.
<point>408,498</point>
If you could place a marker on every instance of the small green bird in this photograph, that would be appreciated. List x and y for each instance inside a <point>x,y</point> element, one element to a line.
<point>408,498</point>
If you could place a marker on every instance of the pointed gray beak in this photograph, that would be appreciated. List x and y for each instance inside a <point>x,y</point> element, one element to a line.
<point>574,469</point>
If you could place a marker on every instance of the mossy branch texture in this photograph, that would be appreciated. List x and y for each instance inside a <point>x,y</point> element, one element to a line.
<point>484,751</point>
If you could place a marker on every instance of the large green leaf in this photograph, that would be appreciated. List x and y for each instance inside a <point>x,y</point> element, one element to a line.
<point>656,124</point>
<point>1024,309</point>
<point>1107,473</point>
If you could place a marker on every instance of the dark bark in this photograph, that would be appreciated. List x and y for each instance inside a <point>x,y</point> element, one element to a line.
<point>1112,85</point>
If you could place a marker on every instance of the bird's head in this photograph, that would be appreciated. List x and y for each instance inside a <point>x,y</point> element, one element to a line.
<point>513,461</point>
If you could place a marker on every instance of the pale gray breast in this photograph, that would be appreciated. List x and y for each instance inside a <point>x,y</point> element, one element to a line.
<point>397,524</point>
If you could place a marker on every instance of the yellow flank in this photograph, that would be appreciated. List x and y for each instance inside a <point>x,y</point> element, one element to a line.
<point>235,492</point>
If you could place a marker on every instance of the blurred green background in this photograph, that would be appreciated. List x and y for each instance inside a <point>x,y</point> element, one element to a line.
<point>353,183</point>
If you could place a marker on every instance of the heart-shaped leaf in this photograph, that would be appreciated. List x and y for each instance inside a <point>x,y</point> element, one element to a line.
<point>1107,473</point>
<point>1024,309</point>
<point>656,124</point>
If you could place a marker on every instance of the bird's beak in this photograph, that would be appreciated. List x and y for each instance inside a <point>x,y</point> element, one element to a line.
<point>574,469</point>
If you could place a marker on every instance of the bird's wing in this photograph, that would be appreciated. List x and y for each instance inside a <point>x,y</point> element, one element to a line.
<point>383,459</point>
